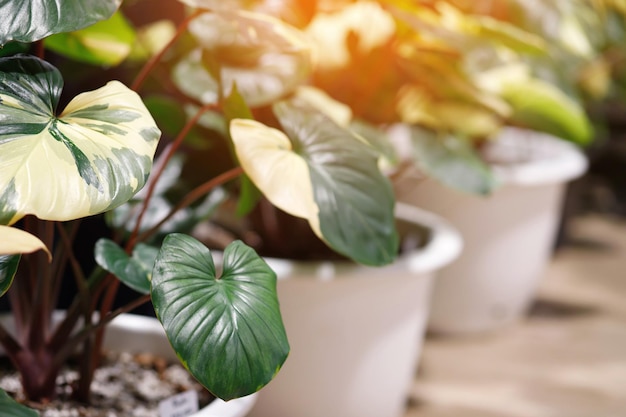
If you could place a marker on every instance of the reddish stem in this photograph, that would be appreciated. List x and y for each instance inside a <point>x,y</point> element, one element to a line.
<point>194,195</point>
<point>171,150</point>
<point>143,74</point>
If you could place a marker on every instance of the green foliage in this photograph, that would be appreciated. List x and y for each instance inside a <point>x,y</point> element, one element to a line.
<point>107,134</point>
<point>354,198</point>
<point>106,43</point>
<point>236,314</point>
<point>32,20</point>
<point>452,161</point>
<point>136,272</point>
<point>8,268</point>
<point>227,95</point>
<point>10,408</point>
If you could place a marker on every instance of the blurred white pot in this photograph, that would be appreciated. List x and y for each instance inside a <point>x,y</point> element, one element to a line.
<point>508,236</point>
<point>355,332</point>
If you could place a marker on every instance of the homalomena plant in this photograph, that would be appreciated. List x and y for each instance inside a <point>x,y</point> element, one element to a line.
<point>94,155</point>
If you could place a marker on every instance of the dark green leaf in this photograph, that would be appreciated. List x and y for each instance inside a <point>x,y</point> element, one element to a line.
<point>145,255</point>
<point>10,408</point>
<point>227,330</point>
<point>376,137</point>
<point>168,113</point>
<point>8,268</point>
<point>13,48</point>
<point>355,199</point>
<point>32,20</point>
<point>33,83</point>
<point>451,161</point>
<point>131,271</point>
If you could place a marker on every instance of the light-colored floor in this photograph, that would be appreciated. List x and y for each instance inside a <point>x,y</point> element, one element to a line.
<point>566,359</point>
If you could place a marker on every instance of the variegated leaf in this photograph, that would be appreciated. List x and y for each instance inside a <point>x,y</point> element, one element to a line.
<point>93,157</point>
<point>264,57</point>
<point>324,173</point>
<point>283,176</point>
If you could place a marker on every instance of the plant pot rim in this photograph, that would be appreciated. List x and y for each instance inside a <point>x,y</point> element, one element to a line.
<point>444,245</point>
<point>530,158</point>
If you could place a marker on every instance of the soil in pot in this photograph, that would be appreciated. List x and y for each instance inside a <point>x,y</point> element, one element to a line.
<point>128,385</point>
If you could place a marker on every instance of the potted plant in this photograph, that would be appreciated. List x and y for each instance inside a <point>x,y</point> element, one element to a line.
<point>450,84</point>
<point>95,156</point>
<point>489,145</point>
<point>324,298</point>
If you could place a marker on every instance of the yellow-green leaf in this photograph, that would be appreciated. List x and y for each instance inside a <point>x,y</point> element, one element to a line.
<point>107,42</point>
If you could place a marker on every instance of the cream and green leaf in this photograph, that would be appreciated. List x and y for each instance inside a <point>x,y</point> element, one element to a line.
<point>324,173</point>
<point>14,241</point>
<point>264,57</point>
<point>92,157</point>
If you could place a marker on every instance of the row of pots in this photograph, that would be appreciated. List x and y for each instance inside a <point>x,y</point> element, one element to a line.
<point>356,332</point>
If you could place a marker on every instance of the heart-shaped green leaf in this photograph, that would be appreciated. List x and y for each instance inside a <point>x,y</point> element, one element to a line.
<point>31,20</point>
<point>10,408</point>
<point>452,161</point>
<point>264,57</point>
<point>226,330</point>
<point>93,157</point>
<point>134,272</point>
<point>107,42</point>
<point>322,172</point>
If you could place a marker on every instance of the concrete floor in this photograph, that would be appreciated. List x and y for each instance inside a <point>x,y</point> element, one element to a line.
<point>567,358</point>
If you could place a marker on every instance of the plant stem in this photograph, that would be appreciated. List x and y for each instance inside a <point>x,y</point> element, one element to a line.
<point>192,196</point>
<point>171,150</point>
<point>62,257</point>
<point>8,342</point>
<point>143,74</point>
<point>70,345</point>
<point>40,319</point>
<point>39,49</point>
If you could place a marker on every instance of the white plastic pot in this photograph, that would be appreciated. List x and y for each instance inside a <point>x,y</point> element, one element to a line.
<point>355,331</point>
<point>133,333</point>
<point>508,236</point>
